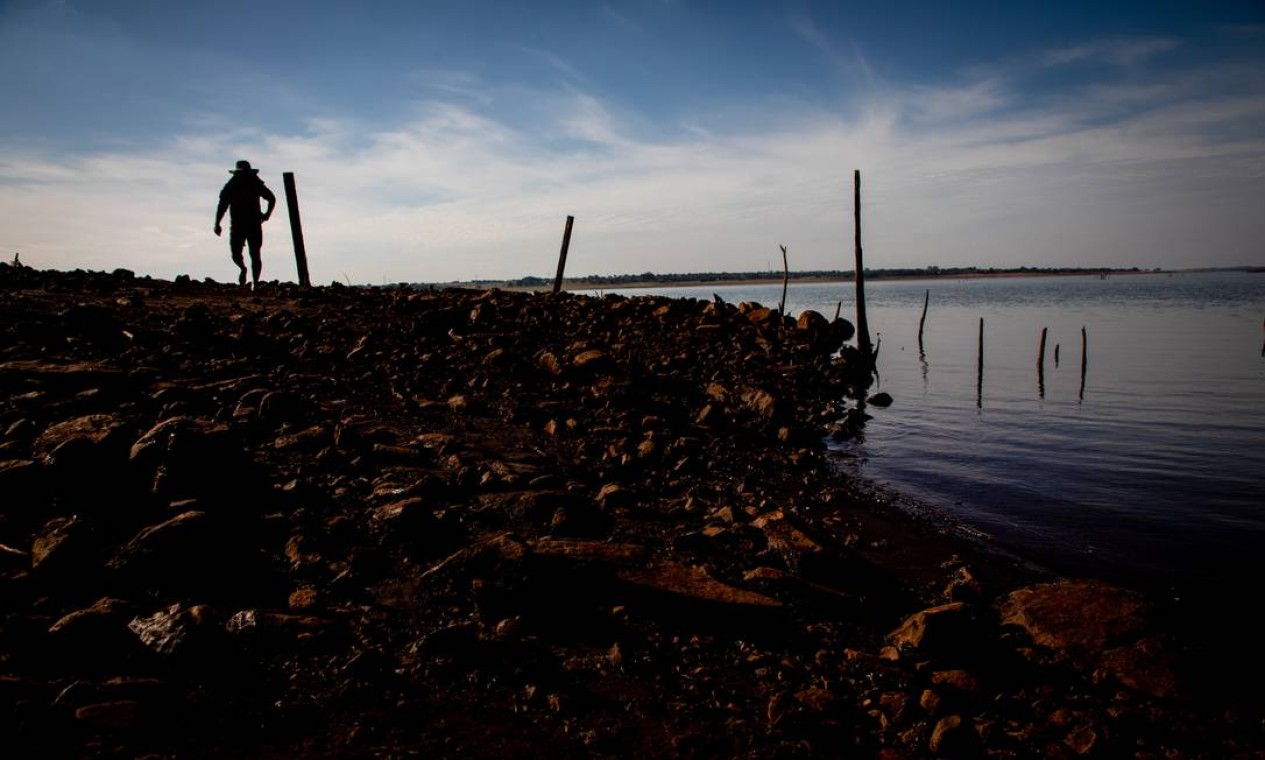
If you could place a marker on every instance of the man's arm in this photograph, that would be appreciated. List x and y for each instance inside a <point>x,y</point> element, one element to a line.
<point>219,213</point>
<point>267,195</point>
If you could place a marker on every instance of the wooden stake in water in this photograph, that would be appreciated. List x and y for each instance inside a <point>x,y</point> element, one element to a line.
<point>562,257</point>
<point>1041,364</point>
<point>979,368</point>
<point>863,325</point>
<point>296,227</point>
<point>1084,362</point>
<point>926,298</point>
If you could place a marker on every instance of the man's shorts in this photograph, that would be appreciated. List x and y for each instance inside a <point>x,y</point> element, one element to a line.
<point>253,239</point>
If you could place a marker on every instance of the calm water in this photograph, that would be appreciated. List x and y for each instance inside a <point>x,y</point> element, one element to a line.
<point>1152,471</point>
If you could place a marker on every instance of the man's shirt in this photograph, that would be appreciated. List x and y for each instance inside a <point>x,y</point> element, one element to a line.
<point>242,194</point>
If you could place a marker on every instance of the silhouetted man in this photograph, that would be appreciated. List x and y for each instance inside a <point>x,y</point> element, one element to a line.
<point>241,195</point>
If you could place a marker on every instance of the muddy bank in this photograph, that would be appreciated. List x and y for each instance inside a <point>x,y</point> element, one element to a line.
<point>364,522</point>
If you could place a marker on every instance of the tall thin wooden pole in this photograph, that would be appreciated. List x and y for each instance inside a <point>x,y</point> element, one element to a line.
<point>863,325</point>
<point>562,257</point>
<point>1084,362</point>
<point>979,368</point>
<point>1041,364</point>
<point>926,299</point>
<point>296,228</point>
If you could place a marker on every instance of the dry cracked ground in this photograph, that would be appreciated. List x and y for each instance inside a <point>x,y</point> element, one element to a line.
<point>371,522</point>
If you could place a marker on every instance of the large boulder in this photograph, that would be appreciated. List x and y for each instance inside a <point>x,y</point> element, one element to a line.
<point>952,632</point>
<point>86,456</point>
<point>1078,615</point>
<point>188,458</point>
<point>95,639</point>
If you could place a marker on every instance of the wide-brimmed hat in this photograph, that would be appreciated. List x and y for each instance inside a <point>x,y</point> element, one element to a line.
<point>242,168</point>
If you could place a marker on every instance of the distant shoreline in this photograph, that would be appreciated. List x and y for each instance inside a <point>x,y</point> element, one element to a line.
<point>817,280</point>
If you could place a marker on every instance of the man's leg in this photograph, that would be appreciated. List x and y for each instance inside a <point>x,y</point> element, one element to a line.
<point>236,242</point>
<point>256,244</point>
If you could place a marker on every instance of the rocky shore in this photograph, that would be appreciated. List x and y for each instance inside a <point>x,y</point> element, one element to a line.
<point>354,522</point>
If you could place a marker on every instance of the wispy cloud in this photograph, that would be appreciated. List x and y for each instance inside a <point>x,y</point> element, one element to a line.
<point>555,62</point>
<point>620,19</point>
<point>938,105</point>
<point>450,81</point>
<point>1118,52</point>
<point>846,58</point>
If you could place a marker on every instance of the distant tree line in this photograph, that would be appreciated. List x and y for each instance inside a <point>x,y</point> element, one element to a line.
<point>670,278</point>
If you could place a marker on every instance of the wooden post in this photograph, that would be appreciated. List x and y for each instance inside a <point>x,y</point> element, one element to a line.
<point>296,228</point>
<point>926,299</point>
<point>863,325</point>
<point>979,368</point>
<point>786,276</point>
<point>1084,362</point>
<point>562,257</point>
<point>1041,364</point>
<point>839,308</point>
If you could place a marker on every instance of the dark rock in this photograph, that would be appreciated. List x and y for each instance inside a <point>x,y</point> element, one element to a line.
<point>193,644</point>
<point>275,630</point>
<point>86,454</point>
<point>953,631</point>
<point>20,479</point>
<point>11,558</point>
<point>963,587</point>
<point>579,519</point>
<point>122,715</point>
<point>178,546</point>
<point>1079,615</point>
<point>279,407</point>
<point>95,639</point>
<point>94,324</point>
<point>841,331</point>
<point>182,458</point>
<point>66,547</point>
<point>811,323</point>
<point>193,554</point>
<point>1147,666</point>
<point>615,496</point>
<point>952,737</point>
<point>591,551</point>
<point>247,407</point>
<point>152,691</point>
<point>694,583</point>
<point>311,439</point>
<point>174,630</point>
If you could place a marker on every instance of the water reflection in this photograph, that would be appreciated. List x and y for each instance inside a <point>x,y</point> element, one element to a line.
<point>922,361</point>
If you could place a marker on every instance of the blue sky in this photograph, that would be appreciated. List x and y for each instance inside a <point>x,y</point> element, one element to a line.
<point>435,141</point>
